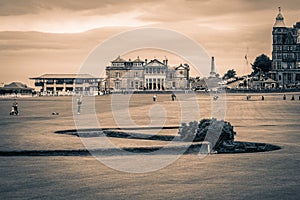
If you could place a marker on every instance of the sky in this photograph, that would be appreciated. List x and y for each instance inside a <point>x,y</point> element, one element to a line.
<point>56,36</point>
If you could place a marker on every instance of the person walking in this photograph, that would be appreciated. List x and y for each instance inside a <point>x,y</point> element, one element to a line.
<point>15,106</point>
<point>284,97</point>
<point>173,96</point>
<point>79,102</point>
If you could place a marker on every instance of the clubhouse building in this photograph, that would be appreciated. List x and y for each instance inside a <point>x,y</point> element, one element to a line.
<point>155,75</point>
<point>68,84</point>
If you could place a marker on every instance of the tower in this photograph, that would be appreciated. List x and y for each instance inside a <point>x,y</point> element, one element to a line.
<point>285,53</point>
<point>212,68</point>
<point>279,34</point>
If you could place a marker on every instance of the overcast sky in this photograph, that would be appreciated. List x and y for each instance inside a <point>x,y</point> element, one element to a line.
<point>66,31</point>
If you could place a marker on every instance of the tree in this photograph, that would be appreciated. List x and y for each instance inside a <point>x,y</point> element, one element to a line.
<point>231,73</point>
<point>262,63</point>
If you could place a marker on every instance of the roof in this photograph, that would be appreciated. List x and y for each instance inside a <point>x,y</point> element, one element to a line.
<point>16,86</point>
<point>182,67</point>
<point>64,76</point>
<point>269,80</point>
<point>279,19</point>
<point>156,63</point>
<point>119,60</point>
<point>236,83</point>
<point>138,60</point>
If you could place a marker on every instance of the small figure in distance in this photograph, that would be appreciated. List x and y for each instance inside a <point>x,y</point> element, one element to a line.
<point>15,106</point>
<point>173,96</point>
<point>215,97</point>
<point>154,97</point>
<point>284,97</point>
<point>292,98</point>
<point>262,98</point>
<point>248,97</point>
<point>79,102</point>
<point>12,111</point>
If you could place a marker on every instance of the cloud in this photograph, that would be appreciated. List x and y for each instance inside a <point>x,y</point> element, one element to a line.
<point>187,10</point>
<point>88,7</point>
<point>224,28</point>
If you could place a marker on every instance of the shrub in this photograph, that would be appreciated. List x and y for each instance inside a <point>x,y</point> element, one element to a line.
<point>217,132</point>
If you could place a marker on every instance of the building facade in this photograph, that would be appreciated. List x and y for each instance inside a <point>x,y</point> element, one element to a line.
<point>68,84</point>
<point>285,53</point>
<point>127,75</point>
<point>16,89</point>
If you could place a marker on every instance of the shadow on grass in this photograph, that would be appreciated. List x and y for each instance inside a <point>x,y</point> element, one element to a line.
<point>185,147</point>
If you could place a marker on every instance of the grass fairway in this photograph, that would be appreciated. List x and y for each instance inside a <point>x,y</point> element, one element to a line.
<point>267,175</point>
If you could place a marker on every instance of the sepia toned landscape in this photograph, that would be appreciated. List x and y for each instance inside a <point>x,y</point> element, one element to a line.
<point>155,99</point>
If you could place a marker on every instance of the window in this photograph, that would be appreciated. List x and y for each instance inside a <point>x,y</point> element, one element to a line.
<point>117,84</point>
<point>289,77</point>
<point>50,81</point>
<point>59,81</point>
<point>279,56</point>
<point>279,77</point>
<point>278,65</point>
<point>136,74</point>
<point>117,74</point>
<point>79,81</point>
<point>284,56</point>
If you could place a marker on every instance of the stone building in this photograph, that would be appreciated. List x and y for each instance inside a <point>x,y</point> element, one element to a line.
<point>285,53</point>
<point>128,75</point>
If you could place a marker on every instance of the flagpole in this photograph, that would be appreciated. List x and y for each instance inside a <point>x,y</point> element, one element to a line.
<point>247,63</point>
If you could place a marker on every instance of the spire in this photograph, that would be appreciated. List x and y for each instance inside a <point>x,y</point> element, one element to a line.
<point>279,19</point>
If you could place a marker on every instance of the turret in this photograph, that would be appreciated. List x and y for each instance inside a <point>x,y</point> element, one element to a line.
<point>279,20</point>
